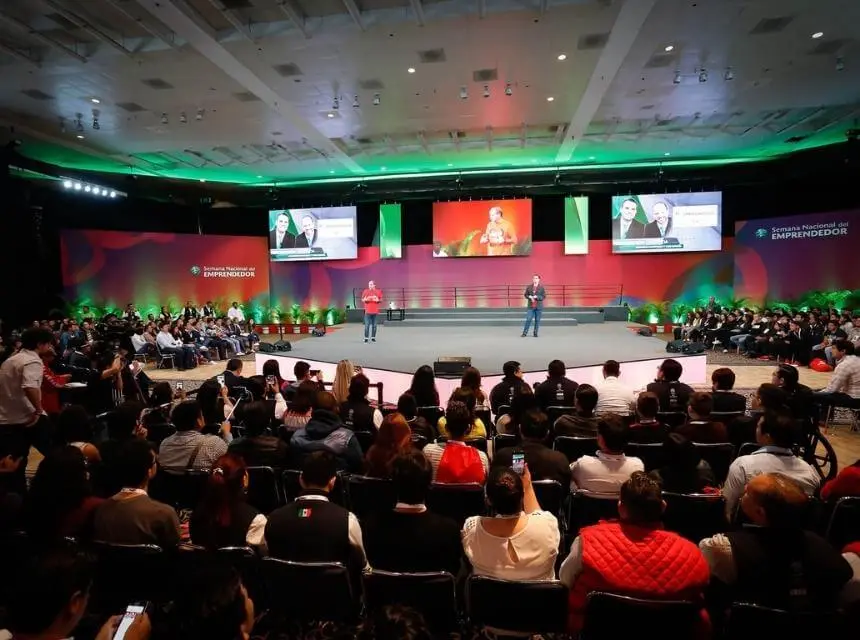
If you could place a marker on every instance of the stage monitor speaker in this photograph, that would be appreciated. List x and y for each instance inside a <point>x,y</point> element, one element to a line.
<point>283,345</point>
<point>646,331</point>
<point>266,347</point>
<point>451,366</point>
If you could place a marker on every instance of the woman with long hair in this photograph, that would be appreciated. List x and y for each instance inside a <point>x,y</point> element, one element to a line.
<point>223,518</point>
<point>60,502</point>
<point>394,438</point>
<point>472,380</point>
<point>423,387</point>
<point>342,376</point>
<point>299,410</point>
<point>271,368</point>
<point>215,403</point>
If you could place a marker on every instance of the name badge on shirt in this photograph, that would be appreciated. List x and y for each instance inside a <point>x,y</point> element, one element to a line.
<point>305,512</point>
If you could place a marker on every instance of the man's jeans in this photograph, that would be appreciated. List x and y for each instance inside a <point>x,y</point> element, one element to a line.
<point>532,313</point>
<point>370,325</point>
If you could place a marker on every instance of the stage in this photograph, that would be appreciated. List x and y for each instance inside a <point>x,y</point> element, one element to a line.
<point>401,349</point>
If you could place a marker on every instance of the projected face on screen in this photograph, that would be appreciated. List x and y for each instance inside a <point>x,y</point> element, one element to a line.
<point>628,209</point>
<point>661,213</point>
<point>282,223</point>
<point>307,225</point>
<point>495,214</point>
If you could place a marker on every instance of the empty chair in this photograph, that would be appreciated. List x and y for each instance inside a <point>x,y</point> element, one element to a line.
<point>367,495</point>
<point>456,501</point>
<point>695,515</point>
<point>432,594</point>
<point>305,591</point>
<point>719,456</point>
<point>612,616</point>
<point>485,416</point>
<point>575,447</point>
<point>747,622</point>
<point>522,607</point>
<point>264,490</point>
<point>672,419</point>
<point>651,454</point>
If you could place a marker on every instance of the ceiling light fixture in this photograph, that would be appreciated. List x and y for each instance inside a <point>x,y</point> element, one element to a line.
<point>486,92</point>
<point>199,115</point>
<point>667,154</point>
<point>410,70</point>
<point>677,78</point>
<point>104,192</point>
<point>331,171</point>
<point>450,164</point>
<point>817,35</point>
<point>562,56</point>
<point>330,114</point>
<point>87,189</point>
<point>183,119</point>
<point>591,158</point>
<point>77,186</point>
<point>550,98</point>
<point>95,100</point>
<point>335,104</point>
<point>729,74</point>
<point>508,90</point>
<point>355,104</point>
<point>376,99</point>
<point>703,75</point>
<point>67,184</point>
<point>164,119</point>
<point>80,136</point>
<point>669,47</point>
<point>464,94</point>
<point>840,64</point>
<point>202,179</point>
<point>113,194</point>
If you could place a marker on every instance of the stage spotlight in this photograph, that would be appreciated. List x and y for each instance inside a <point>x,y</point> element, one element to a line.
<point>703,75</point>
<point>87,189</point>
<point>508,90</point>
<point>355,104</point>
<point>164,119</point>
<point>729,74</point>
<point>183,119</point>
<point>464,94</point>
<point>77,186</point>
<point>67,184</point>
<point>486,91</point>
<point>199,115</point>
<point>677,78</point>
<point>113,194</point>
<point>376,99</point>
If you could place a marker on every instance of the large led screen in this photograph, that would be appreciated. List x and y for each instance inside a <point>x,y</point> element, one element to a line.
<point>327,233</point>
<point>482,228</point>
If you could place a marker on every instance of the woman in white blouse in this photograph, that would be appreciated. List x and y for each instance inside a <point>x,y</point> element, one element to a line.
<point>521,541</point>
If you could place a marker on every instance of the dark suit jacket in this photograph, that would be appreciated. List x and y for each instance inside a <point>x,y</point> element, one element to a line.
<point>544,463</point>
<point>547,393</point>
<point>728,401</point>
<point>289,241</point>
<point>707,432</point>
<point>652,230</point>
<point>636,230</point>
<point>540,292</point>
<point>301,241</point>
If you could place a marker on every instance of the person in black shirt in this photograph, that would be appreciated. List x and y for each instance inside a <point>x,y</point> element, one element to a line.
<point>356,412</point>
<point>503,393</point>
<point>544,463</point>
<point>583,422</point>
<point>725,400</point>
<point>647,428</point>
<point>410,538</point>
<point>557,390</point>
<point>259,448</point>
<point>800,398</point>
<point>671,392</point>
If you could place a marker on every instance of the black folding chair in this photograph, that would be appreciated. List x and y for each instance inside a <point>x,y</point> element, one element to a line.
<point>478,443</point>
<point>504,441</point>
<point>180,488</point>
<point>365,439</point>
<point>128,573</point>
<point>747,448</point>
<point>431,414</point>
<point>366,495</point>
<point>695,516</point>
<point>726,417</point>
<point>587,509</point>
<point>432,594</point>
<point>551,496</point>
<point>553,413</point>
<point>672,419</point>
<point>503,410</point>
<point>541,606</point>
<point>843,526</point>
<point>290,483</point>
<point>609,616</point>
<point>264,490</point>
<point>486,416</point>
<point>719,456</point>
<point>456,501</point>
<point>651,454</point>
<point>575,447</point>
<point>746,622</point>
<point>309,591</point>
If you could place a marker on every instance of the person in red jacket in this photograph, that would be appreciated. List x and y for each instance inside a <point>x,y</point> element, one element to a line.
<point>634,556</point>
<point>371,297</point>
<point>847,483</point>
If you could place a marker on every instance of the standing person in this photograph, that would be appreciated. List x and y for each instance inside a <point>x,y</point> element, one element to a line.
<point>499,236</point>
<point>535,294</point>
<point>371,297</point>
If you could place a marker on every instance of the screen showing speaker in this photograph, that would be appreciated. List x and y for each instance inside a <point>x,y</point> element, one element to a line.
<point>667,222</point>
<point>327,233</point>
<point>481,228</point>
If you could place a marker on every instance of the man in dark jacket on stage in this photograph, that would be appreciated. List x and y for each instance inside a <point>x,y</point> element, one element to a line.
<point>535,294</point>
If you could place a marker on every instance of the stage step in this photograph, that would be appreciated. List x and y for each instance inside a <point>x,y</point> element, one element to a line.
<point>467,321</point>
<point>551,317</point>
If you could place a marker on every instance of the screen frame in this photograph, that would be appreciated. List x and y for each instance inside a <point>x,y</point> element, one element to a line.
<point>295,216</point>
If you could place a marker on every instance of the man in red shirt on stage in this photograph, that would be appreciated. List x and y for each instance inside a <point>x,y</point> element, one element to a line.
<point>371,297</point>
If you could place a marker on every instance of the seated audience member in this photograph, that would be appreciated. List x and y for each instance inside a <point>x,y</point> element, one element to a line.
<point>477,428</point>
<point>726,400</point>
<point>189,448</point>
<point>211,603</point>
<point>647,429</point>
<point>671,392</point>
<point>300,409</point>
<point>233,375</point>
<point>683,469</point>
<point>800,398</point>
<point>557,390</point>
<point>168,344</point>
<point>776,563</point>
<point>524,400</point>
<point>604,473</point>
<point>699,427</point>
<point>472,380</point>
<point>76,429</point>
<point>410,538</point>
<point>356,412</point>
<point>394,439</point>
<point>521,542</point>
<point>313,529</point>
<point>258,447</point>
<point>215,403</point>
<point>123,424</point>
<point>843,390</point>
<point>325,432</point>
<point>503,393</point>
<point>454,461</point>
<point>343,375</point>
<point>543,462</point>
<point>131,516</point>
<point>272,368</point>
<point>423,387</point>
<point>631,556</point>
<point>846,484</point>
<point>408,408</point>
<point>768,397</point>
<point>223,518</point>
<point>612,395</point>
<point>302,372</point>
<point>583,422</point>
<point>60,502</point>
<point>777,433</point>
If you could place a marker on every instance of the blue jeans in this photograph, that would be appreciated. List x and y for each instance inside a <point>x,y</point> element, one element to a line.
<point>369,321</point>
<point>532,313</point>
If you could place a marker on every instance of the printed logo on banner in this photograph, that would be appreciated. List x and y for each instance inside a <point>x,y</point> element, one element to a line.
<point>761,233</point>
<point>195,270</point>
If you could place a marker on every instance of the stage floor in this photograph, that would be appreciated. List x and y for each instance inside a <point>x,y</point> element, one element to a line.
<point>403,348</point>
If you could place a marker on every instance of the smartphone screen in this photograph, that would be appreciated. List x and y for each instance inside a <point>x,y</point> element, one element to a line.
<point>519,462</point>
<point>270,379</point>
<point>221,380</point>
<point>132,611</point>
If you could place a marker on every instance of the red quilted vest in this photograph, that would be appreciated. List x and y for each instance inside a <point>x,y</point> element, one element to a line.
<point>460,463</point>
<point>635,561</point>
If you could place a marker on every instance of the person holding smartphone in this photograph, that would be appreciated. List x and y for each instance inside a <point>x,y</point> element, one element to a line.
<point>544,463</point>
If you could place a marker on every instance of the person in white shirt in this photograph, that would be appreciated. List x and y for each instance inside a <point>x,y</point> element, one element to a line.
<point>521,541</point>
<point>777,433</point>
<point>168,344</point>
<point>603,474</point>
<point>235,313</point>
<point>612,395</point>
<point>844,387</point>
